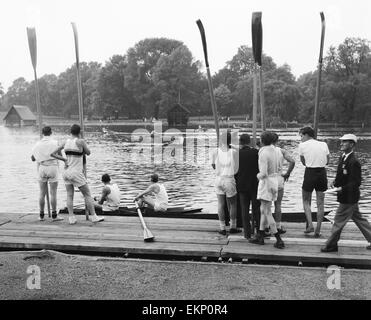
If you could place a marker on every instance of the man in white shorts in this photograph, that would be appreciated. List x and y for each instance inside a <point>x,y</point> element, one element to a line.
<point>225,163</point>
<point>160,202</point>
<point>48,171</point>
<point>314,155</point>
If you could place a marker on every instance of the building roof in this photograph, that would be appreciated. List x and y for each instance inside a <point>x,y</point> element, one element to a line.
<point>2,115</point>
<point>182,107</point>
<point>24,112</point>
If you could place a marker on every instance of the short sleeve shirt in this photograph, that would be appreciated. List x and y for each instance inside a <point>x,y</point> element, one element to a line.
<point>314,152</point>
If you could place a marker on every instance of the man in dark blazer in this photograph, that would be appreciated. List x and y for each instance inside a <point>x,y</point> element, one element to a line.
<point>247,185</point>
<point>346,184</point>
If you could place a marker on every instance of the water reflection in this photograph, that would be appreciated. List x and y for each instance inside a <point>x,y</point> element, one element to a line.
<point>189,181</point>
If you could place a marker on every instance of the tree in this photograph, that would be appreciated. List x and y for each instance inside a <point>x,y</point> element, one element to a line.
<point>141,62</point>
<point>67,86</point>
<point>18,94</point>
<point>348,81</point>
<point>223,99</point>
<point>176,76</point>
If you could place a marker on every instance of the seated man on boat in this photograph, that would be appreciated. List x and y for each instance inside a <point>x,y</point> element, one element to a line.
<point>160,200</point>
<point>109,200</point>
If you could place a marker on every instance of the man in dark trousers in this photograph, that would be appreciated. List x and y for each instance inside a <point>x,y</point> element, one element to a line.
<point>247,185</point>
<point>346,184</point>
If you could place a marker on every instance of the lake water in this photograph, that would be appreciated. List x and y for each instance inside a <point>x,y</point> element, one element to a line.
<point>185,170</point>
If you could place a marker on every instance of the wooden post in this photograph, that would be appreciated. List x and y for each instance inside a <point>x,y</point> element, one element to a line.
<point>32,43</point>
<point>318,87</point>
<point>80,101</point>
<point>262,100</point>
<point>255,107</point>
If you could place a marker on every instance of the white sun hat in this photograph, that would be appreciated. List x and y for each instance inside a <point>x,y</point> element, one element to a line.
<point>349,136</point>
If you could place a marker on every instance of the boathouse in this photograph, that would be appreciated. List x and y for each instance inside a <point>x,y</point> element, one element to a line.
<point>19,116</point>
<point>178,116</point>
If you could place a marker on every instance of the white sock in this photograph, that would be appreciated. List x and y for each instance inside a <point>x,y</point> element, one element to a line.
<point>278,225</point>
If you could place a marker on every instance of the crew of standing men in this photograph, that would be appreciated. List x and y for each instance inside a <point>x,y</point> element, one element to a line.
<point>259,180</point>
<point>254,176</point>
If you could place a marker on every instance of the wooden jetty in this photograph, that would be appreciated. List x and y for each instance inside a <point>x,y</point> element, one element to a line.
<point>177,239</point>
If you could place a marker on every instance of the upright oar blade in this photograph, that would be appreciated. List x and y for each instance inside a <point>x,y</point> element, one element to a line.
<point>257,37</point>
<point>80,100</point>
<point>257,46</point>
<point>318,87</point>
<point>211,89</point>
<point>147,234</point>
<point>32,44</point>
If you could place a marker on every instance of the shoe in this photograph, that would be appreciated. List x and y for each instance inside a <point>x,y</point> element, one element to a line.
<point>96,219</point>
<point>281,230</point>
<point>222,232</point>
<point>317,235</point>
<point>234,230</point>
<point>309,230</point>
<point>72,220</point>
<point>259,238</point>
<point>41,217</point>
<point>329,249</point>
<point>279,244</point>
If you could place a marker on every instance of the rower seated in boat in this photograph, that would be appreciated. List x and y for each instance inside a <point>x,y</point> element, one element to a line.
<point>109,201</point>
<point>160,200</point>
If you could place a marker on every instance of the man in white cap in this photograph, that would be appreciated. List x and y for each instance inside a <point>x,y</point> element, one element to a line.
<point>346,184</point>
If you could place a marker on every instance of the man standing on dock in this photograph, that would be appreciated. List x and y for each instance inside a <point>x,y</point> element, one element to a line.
<point>247,185</point>
<point>48,171</point>
<point>346,184</point>
<point>225,163</point>
<point>282,155</point>
<point>314,155</point>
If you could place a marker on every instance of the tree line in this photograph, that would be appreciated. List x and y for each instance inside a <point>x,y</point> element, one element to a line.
<point>157,73</point>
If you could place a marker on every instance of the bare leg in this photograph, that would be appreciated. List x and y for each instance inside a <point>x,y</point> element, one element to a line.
<point>320,197</point>
<point>53,195</point>
<point>221,213</point>
<point>266,209</point>
<point>149,201</point>
<point>42,194</point>
<point>307,199</point>
<point>88,199</point>
<point>70,192</point>
<point>277,208</point>
<point>232,207</point>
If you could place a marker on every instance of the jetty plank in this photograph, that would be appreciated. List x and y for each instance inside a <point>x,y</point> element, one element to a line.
<point>177,237</point>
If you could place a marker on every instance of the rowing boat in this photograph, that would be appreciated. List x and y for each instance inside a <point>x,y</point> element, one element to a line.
<point>186,213</point>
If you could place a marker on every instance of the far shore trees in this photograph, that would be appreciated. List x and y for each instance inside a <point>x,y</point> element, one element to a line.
<point>156,73</point>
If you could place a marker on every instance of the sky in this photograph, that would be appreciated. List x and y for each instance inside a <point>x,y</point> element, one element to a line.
<point>291,30</point>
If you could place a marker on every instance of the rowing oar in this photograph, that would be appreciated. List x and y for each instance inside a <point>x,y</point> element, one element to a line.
<point>32,43</point>
<point>257,45</point>
<point>81,106</point>
<point>316,106</point>
<point>147,234</point>
<point>211,89</point>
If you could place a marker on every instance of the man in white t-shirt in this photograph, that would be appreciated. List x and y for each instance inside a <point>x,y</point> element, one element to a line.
<point>48,172</point>
<point>314,155</point>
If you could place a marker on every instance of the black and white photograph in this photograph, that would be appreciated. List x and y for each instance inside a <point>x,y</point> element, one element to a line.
<point>185,157</point>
